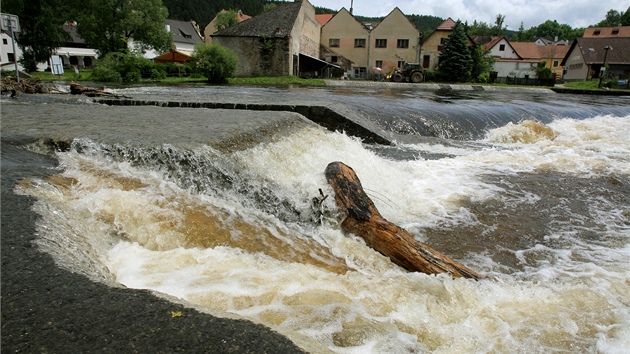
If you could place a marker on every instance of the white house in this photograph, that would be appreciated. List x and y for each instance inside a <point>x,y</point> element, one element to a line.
<point>7,56</point>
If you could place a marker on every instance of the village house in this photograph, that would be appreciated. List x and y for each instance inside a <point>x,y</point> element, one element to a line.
<point>281,41</point>
<point>185,36</point>
<point>587,58</point>
<point>521,59</point>
<point>7,56</point>
<point>374,46</point>
<point>600,47</point>
<point>433,46</point>
<point>75,52</point>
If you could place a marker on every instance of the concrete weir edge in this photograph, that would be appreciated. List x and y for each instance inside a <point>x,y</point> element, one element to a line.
<point>332,118</point>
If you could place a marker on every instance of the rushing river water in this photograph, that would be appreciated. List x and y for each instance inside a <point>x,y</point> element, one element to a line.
<point>530,189</point>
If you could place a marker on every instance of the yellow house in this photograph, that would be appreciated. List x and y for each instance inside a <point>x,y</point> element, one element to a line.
<point>392,42</point>
<point>434,44</point>
<point>345,35</point>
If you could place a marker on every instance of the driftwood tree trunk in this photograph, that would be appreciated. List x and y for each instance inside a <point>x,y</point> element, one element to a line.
<point>364,220</point>
<point>77,89</point>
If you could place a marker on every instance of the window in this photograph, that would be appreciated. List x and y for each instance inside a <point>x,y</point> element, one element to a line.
<point>379,64</point>
<point>11,57</point>
<point>443,41</point>
<point>359,43</point>
<point>5,41</point>
<point>334,59</point>
<point>401,63</point>
<point>333,42</point>
<point>555,63</point>
<point>381,43</point>
<point>501,47</point>
<point>402,43</point>
<point>597,32</point>
<point>615,32</point>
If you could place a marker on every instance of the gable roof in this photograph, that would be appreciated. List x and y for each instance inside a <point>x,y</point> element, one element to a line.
<point>606,32</point>
<point>278,22</point>
<point>530,50</point>
<point>396,10</point>
<point>346,12</point>
<point>447,25</point>
<point>183,31</point>
<point>323,18</point>
<point>593,50</point>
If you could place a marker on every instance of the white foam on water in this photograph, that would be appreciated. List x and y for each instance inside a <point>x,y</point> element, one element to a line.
<point>574,299</point>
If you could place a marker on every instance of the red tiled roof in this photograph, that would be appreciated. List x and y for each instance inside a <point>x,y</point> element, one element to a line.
<point>529,50</point>
<point>323,18</point>
<point>607,32</point>
<point>447,25</point>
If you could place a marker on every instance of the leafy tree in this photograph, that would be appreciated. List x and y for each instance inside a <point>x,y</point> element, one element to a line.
<point>455,59</point>
<point>519,36</point>
<point>226,19</point>
<point>482,63</point>
<point>214,61</point>
<point>613,18</point>
<point>126,67</point>
<point>41,32</point>
<point>479,29</point>
<point>109,25</point>
<point>551,29</point>
<point>498,28</point>
<point>542,71</point>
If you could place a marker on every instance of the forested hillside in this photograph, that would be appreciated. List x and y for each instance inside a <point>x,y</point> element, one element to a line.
<point>203,11</point>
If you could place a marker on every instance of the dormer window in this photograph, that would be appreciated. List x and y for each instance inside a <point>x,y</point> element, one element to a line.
<point>184,33</point>
<point>615,31</point>
<point>597,32</point>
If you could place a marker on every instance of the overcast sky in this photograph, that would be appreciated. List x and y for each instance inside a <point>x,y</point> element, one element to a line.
<point>576,13</point>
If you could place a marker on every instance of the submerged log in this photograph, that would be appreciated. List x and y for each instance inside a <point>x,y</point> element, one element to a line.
<point>77,89</point>
<point>365,221</point>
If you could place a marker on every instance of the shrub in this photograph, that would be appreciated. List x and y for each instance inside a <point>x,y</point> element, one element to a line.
<point>214,62</point>
<point>127,67</point>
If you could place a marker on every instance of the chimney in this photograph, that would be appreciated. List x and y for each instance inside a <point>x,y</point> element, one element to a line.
<point>351,3</point>
<point>168,28</point>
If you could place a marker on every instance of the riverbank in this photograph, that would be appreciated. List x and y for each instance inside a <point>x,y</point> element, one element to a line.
<point>48,308</point>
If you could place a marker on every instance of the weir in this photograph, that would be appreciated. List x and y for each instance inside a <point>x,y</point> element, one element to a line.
<point>332,118</point>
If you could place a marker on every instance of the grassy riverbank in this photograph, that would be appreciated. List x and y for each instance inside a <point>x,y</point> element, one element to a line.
<point>85,75</point>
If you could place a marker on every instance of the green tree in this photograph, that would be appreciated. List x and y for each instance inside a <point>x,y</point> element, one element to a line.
<point>551,29</point>
<point>226,19</point>
<point>455,60</point>
<point>482,63</point>
<point>613,18</point>
<point>498,28</point>
<point>542,71</point>
<point>41,32</point>
<point>215,62</point>
<point>109,25</point>
<point>519,36</point>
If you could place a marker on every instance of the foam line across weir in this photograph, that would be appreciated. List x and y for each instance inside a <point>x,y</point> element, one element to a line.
<point>334,118</point>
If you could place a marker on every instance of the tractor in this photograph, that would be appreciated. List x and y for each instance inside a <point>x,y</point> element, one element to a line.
<point>410,72</point>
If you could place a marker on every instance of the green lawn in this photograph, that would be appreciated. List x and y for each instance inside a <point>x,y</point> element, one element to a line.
<point>85,75</point>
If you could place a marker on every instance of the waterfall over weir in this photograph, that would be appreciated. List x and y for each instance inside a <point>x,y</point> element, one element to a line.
<point>396,113</point>
<point>214,207</point>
